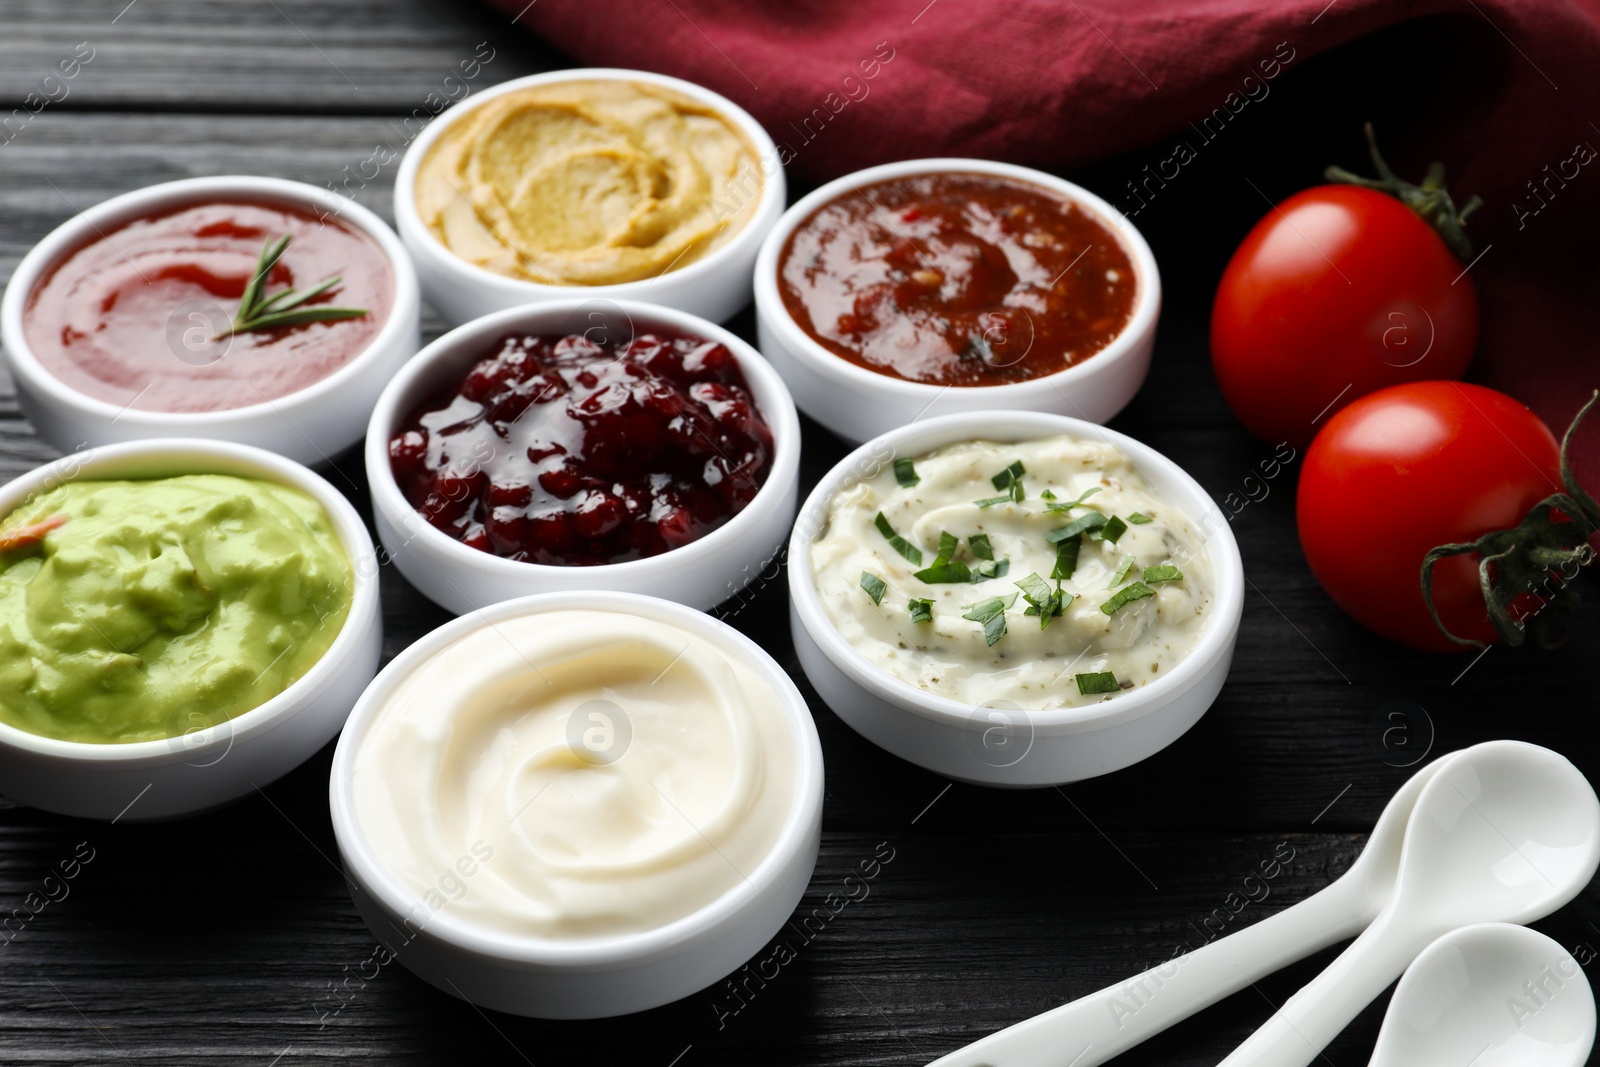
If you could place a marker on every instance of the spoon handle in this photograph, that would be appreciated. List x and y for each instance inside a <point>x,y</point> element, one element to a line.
<point>1095,1028</point>
<point>1307,1021</point>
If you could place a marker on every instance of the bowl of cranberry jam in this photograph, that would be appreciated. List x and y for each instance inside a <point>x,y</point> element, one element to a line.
<point>584,444</point>
<point>570,451</point>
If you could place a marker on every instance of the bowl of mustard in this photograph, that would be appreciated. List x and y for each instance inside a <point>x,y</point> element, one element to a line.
<point>606,183</point>
<point>181,622</point>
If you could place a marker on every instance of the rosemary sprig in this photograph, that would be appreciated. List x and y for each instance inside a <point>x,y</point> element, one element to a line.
<point>258,311</point>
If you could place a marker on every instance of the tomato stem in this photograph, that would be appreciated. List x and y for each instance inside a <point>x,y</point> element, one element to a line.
<point>1533,557</point>
<point>1431,199</point>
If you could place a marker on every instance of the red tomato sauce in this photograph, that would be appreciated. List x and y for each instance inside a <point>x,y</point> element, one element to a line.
<point>957,279</point>
<point>566,451</point>
<point>128,317</point>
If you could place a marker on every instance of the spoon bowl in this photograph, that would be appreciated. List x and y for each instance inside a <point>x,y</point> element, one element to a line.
<point>1507,835</point>
<point>1096,1028</point>
<point>1505,832</point>
<point>1492,995</point>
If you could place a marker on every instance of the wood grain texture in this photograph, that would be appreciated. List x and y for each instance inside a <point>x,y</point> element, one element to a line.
<point>230,939</point>
<point>229,57</point>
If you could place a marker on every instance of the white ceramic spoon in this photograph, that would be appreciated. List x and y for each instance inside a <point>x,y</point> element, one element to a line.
<point>1093,1029</point>
<point>1490,995</point>
<point>1505,832</point>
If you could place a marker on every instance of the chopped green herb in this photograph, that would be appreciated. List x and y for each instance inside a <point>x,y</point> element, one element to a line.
<point>1014,496</point>
<point>1009,476</point>
<point>980,546</point>
<point>905,472</point>
<point>943,572</point>
<point>1043,601</point>
<point>921,610</point>
<point>896,542</point>
<point>874,586</point>
<point>1070,504</point>
<point>1009,480</point>
<point>1126,595</point>
<point>989,568</point>
<point>1047,495</point>
<point>991,615</point>
<point>944,569</point>
<point>1061,602</point>
<point>1066,558</point>
<point>1081,524</point>
<point>1138,518</point>
<point>1099,682</point>
<point>1124,568</point>
<point>1035,590</point>
<point>1164,573</point>
<point>1110,530</point>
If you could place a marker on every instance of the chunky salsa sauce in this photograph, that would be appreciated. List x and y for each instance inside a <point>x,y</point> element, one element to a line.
<point>957,279</point>
<point>131,317</point>
<point>569,451</point>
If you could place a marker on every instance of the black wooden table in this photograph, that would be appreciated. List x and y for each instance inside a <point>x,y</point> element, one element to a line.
<point>229,938</point>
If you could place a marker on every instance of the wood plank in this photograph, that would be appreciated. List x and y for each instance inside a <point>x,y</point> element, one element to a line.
<point>66,162</point>
<point>231,56</point>
<point>172,956</point>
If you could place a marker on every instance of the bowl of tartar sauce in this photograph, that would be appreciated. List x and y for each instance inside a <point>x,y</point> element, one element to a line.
<point>1014,598</point>
<point>578,805</point>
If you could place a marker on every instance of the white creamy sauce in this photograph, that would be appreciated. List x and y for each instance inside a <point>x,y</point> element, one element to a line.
<point>1029,667</point>
<point>575,774</point>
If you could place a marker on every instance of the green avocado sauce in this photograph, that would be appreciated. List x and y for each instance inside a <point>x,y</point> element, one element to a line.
<point>165,606</point>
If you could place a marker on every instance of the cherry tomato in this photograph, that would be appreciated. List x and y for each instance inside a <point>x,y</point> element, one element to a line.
<point>1338,292</point>
<point>1404,470</point>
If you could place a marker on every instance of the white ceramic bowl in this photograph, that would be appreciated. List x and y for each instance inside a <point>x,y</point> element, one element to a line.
<point>148,780</point>
<point>980,744</point>
<point>857,403</point>
<point>594,977</point>
<point>716,286</point>
<point>308,425</point>
<point>701,574</point>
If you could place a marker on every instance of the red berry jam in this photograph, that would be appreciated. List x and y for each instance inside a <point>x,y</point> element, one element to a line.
<point>561,450</point>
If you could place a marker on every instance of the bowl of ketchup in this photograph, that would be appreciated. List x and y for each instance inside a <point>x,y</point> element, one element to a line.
<point>149,315</point>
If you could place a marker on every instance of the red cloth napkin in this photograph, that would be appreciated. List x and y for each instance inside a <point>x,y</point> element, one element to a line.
<point>1058,84</point>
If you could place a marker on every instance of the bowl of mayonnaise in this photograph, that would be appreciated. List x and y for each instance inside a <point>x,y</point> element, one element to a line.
<point>578,805</point>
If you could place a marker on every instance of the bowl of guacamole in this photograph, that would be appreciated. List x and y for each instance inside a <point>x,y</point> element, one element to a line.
<point>202,610</point>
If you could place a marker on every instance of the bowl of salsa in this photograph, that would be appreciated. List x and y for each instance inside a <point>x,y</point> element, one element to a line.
<point>945,285</point>
<point>254,310</point>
